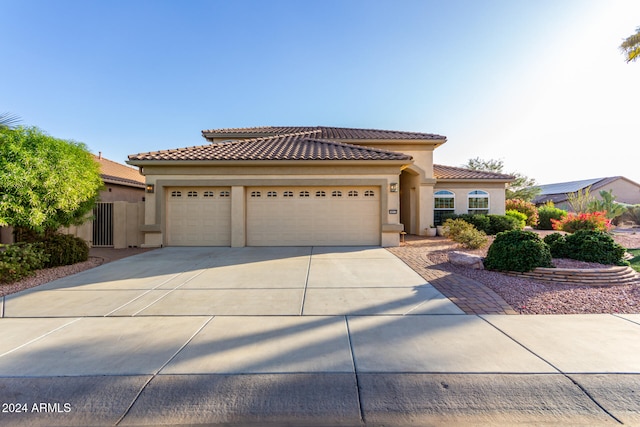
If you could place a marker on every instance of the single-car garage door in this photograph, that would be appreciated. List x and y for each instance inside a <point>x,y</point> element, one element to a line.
<point>199,216</point>
<point>313,216</point>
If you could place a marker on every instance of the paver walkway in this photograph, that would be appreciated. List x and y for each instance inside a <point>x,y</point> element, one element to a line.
<point>469,295</point>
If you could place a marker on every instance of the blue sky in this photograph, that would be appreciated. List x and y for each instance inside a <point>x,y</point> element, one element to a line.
<point>538,84</point>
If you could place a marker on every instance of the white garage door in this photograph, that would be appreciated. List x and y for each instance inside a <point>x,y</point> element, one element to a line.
<point>313,216</point>
<point>199,216</point>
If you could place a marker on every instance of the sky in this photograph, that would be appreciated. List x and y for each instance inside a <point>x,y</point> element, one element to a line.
<point>540,85</point>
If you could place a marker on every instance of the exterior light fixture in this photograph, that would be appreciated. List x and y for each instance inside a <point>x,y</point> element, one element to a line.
<point>393,187</point>
<point>150,188</point>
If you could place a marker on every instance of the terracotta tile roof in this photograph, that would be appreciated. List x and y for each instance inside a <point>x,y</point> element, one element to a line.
<point>323,132</point>
<point>451,172</point>
<point>295,146</point>
<point>116,173</point>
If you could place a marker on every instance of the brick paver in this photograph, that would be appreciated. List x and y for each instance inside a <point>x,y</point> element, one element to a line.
<point>470,295</point>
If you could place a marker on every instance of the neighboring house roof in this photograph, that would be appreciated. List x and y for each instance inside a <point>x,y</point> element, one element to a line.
<point>322,132</point>
<point>116,173</point>
<point>295,146</point>
<point>441,172</point>
<point>557,192</point>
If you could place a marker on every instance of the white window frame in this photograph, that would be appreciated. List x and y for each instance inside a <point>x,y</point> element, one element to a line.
<point>476,195</point>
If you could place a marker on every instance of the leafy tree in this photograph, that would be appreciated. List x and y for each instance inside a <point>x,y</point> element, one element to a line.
<point>631,46</point>
<point>522,186</point>
<point>45,182</point>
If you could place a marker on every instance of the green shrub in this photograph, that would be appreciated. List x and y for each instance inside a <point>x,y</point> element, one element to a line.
<point>519,216</point>
<point>527,208</point>
<point>64,249</point>
<point>464,233</point>
<point>594,246</point>
<point>517,250</point>
<point>489,224</point>
<point>546,213</point>
<point>557,245</point>
<point>20,260</point>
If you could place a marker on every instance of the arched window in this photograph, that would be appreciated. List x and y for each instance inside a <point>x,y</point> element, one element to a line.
<point>478,202</point>
<point>444,203</point>
<point>321,193</point>
<point>336,193</point>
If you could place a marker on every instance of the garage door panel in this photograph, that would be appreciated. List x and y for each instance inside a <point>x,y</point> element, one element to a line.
<point>198,216</point>
<point>313,216</point>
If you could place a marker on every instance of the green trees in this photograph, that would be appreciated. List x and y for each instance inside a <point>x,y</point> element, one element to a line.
<point>45,182</point>
<point>522,186</point>
<point>630,47</point>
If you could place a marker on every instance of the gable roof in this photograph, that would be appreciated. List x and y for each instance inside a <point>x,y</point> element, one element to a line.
<point>116,173</point>
<point>322,132</point>
<point>557,192</point>
<point>441,172</point>
<point>294,146</point>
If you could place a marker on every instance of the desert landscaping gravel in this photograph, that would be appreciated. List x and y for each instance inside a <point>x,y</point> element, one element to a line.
<point>535,297</point>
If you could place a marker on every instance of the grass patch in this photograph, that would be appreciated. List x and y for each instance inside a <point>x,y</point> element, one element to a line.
<point>635,261</point>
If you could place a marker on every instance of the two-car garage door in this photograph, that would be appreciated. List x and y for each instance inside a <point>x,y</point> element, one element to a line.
<point>313,216</point>
<point>276,216</point>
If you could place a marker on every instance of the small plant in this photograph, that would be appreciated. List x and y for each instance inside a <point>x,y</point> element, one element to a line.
<point>527,208</point>
<point>464,233</point>
<point>20,260</point>
<point>549,212</point>
<point>572,222</point>
<point>517,250</point>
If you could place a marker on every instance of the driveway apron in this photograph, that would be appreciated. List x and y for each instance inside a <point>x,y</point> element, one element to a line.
<point>301,336</point>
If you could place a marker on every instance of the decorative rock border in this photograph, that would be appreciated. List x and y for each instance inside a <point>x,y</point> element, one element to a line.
<point>609,276</point>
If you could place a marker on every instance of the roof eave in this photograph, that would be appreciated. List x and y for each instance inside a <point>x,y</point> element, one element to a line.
<point>268,162</point>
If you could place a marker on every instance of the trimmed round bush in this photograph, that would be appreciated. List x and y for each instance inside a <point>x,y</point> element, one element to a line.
<point>594,246</point>
<point>500,223</point>
<point>546,214</point>
<point>557,245</point>
<point>517,250</point>
<point>64,249</point>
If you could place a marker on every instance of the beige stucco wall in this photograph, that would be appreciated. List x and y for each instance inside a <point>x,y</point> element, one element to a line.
<point>497,194</point>
<point>121,193</point>
<point>381,174</point>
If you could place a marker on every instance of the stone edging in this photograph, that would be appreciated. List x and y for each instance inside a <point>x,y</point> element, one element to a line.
<point>609,276</point>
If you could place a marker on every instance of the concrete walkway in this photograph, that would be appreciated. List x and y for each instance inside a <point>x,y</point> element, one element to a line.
<point>299,336</point>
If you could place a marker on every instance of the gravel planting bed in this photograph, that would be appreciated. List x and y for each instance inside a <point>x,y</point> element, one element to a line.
<point>536,297</point>
<point>49,274</point>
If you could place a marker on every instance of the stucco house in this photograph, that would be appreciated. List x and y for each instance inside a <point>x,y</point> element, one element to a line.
<point>294,186</point>
<point>625,191</point>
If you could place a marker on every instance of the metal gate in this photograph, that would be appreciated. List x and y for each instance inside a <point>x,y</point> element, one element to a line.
<point>103,225</point>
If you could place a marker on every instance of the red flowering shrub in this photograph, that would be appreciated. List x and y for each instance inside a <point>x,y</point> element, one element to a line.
<point>527,208</point>
<point>596,221</point>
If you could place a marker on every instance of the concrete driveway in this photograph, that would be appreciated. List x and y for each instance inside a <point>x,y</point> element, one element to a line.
<point>298,336</point>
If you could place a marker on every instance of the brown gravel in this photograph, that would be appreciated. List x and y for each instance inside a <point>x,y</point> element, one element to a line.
<point>535,297</point>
